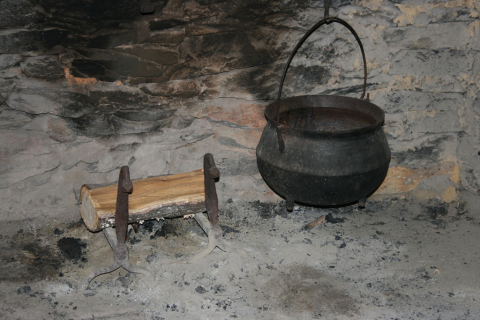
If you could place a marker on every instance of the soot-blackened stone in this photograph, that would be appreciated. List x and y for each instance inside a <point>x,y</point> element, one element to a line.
<point>150,225</point>
<point>168,229</point>
<point>24,290</point>
<point>71,248</point>
<point>200,289</point>
<point>165,24</point>
<point>434,212</point>
<point>113,39</point>
<point>48,68</point>
<point>329,218</point>
<point>228,229</point>
<point>22,41</point>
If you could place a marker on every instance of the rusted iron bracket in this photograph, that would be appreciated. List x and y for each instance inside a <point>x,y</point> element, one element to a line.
<point>120,250</point>
<point>211,173</point>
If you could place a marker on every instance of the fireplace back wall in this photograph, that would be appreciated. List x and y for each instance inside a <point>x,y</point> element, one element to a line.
<point>89,86</point>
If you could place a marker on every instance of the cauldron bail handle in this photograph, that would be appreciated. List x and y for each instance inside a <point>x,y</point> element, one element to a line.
<point>326,20</point>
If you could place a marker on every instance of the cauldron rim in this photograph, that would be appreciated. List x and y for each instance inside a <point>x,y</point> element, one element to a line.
<point>327,101</point>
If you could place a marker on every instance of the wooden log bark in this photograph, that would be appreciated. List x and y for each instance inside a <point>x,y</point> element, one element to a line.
<point>152,198</point>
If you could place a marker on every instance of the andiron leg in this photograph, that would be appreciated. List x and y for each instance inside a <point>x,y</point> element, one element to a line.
<point>120,250</point>
<point>210,225</point>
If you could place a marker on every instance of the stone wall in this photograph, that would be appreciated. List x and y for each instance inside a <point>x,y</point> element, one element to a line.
<point>87,86</point>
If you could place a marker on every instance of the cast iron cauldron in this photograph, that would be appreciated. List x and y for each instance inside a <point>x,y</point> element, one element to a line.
<point>323,150</point>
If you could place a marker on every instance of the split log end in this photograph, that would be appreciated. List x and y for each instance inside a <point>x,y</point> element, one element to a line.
<point>87,210</point>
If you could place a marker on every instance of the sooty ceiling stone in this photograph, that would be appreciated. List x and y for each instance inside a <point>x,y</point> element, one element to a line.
<point>45,67</point>
<point>19,13</point>
<point>15,41</point>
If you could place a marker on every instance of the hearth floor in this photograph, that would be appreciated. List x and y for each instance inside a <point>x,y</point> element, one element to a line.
<point>400,258</point>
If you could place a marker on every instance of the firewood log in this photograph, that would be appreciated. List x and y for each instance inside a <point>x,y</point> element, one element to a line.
<point>152,198</point>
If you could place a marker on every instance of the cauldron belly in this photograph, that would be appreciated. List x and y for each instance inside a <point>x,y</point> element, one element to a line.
<point>324,170</point>
<point>321,190</point>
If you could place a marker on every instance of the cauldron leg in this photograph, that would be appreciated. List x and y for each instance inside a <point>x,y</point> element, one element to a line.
<point>362,202</point>
<point>290,203</point>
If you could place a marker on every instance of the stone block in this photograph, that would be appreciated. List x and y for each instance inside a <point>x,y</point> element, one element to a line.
<point>427,83</point>
<point>156,25</point>
<point>44,67</point>
<point>436,184</point>
<point>411,125</point>
<point>93,125</point>
<point>176,88</point>
<point>451,35</point>
<point>56,128</point>
<point>155,54</point>
<point>216,53</point>
<point>91,69</point>
<point>15,41</point>
<point>475,34</point>
<point>124,126</point>
<point>116,97</point>
<point>121,65</point>
<point>122,119</point>
<point>6,86</point>
<point>476,72</point>
<point>433,12</point>
<point>173,36</point>
<point>25,154</point>
<point>401,179</point>
<point>113,39</point>
<point>11,73</point>
<point>12,119</point>
<point>469,147</point>
<point>95,54</point>
<point>234,113</point>
<point>33,103</point>
<point>199,30</point>
<point>148,119</point>
<point>150,160</point>
<point>404,100</point>
<point>40,97</point>
<point>238,138</point>
<point>18,13</point>
<point>146,113</point>
<point>441,122</point>
<point>250,84</point>
<point>59,131</point>
<point>9,60</point>
<point>395,127</point>
<point>430,62</point>
<point>423,151</point>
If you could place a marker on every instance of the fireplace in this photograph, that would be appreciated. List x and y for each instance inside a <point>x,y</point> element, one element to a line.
<point>89,86</point>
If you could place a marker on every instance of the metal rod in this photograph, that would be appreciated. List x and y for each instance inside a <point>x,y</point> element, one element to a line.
<point>121,211</point>
<point>327,9</point>
<point>211,173</point>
